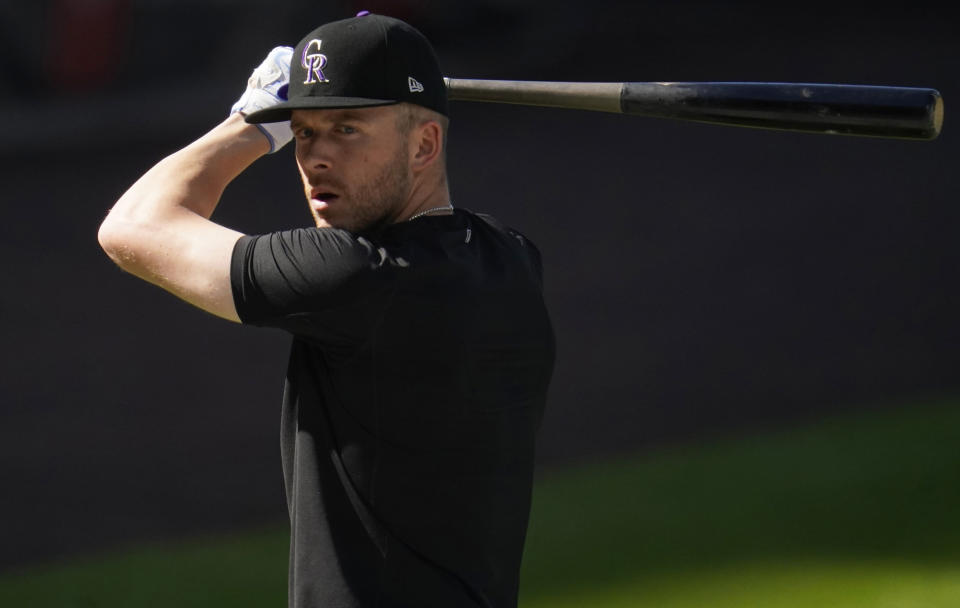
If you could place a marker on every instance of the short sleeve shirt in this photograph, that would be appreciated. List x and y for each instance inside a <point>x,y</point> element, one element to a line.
<point>416,382</point>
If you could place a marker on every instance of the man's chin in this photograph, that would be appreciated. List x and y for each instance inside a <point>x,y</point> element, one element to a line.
<point>349,222</point>
<point>322,221</point>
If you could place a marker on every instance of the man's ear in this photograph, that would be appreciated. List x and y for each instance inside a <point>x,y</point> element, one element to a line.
<point>426,144</point>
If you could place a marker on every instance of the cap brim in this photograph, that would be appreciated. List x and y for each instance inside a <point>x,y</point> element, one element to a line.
<point>282,111</point>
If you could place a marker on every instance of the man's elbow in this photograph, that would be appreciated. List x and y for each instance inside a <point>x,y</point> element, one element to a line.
<point>118,239</point>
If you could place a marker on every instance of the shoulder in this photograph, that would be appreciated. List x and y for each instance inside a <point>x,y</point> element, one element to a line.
<point>509,239</point>
<point>309,241</point>
<point>294,271</point>
<point>502,228</point>
<point>326,250</point>
<point>510,234</point>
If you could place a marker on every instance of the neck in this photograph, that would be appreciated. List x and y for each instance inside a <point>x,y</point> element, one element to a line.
<point>424,199</point>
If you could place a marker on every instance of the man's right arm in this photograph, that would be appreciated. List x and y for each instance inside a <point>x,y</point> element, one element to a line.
<point>160,229</point>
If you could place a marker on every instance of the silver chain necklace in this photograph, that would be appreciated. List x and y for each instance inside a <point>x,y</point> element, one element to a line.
<point>426,211</point>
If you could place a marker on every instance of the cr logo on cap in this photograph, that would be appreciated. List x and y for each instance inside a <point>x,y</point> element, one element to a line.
<point>313,63</point>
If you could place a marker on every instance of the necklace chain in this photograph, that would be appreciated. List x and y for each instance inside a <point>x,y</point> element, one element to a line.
<point>426,211</point>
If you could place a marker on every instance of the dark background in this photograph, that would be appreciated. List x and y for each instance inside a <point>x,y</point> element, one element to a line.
<point>703,280</point>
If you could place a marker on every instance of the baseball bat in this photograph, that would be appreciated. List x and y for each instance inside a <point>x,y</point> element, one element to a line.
<point>844,109</point>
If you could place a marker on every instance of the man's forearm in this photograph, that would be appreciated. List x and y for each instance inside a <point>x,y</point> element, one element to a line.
<point>194,178</point>
<point>178,192</point>
<point>160,229</point>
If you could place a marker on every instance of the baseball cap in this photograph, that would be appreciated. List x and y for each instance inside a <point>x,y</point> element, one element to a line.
<point>367,60</point>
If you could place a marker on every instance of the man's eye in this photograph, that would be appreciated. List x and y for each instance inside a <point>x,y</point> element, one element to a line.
<point>347,129</point>
<point>304,133</point>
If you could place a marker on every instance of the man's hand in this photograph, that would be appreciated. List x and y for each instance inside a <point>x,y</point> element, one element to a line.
<point>266,87</point>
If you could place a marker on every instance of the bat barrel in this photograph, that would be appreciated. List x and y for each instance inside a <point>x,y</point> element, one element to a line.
<point>878,111</point>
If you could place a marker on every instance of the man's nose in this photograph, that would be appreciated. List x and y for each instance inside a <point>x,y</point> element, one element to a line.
<point>318,153</point>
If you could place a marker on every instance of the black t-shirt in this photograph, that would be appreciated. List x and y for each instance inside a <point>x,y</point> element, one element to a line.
<point>417,379</point>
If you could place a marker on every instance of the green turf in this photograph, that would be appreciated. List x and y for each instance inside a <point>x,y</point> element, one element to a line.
<point>240,570</point>
<point>862,511</point>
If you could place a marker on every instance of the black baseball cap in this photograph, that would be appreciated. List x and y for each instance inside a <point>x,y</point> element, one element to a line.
<point>367,60</point>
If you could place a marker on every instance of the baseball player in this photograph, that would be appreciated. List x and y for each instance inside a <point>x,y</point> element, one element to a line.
<point>421,347</point>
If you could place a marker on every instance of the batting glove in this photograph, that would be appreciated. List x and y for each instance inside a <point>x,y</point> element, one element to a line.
<point>266,87</point>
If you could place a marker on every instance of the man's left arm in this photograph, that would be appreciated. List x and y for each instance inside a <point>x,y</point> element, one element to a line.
<point>160,229</point>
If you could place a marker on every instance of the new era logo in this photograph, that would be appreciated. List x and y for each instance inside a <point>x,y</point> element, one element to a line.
<point>415,87</point>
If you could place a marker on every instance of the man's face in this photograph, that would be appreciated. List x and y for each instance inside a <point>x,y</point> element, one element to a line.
<point>354,164</point>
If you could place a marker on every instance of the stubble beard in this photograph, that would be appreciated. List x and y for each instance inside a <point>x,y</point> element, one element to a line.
<point>375,203</point>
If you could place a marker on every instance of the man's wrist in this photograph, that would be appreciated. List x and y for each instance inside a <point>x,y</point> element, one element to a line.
<point>266,88</point>
<point>252,133</point>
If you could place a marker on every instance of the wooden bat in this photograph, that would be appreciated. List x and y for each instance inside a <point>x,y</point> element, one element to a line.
<point>844,109</point>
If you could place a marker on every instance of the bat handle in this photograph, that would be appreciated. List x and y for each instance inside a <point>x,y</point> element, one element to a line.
<point>594,96</point>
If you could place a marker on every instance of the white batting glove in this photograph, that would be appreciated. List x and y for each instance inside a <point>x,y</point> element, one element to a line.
<point>266,87</point>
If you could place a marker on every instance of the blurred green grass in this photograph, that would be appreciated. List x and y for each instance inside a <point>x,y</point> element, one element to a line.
<point>861,510</point>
